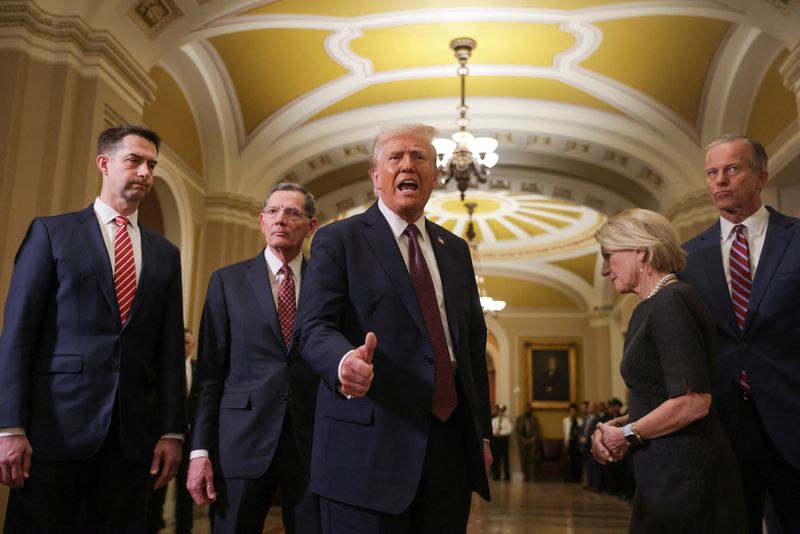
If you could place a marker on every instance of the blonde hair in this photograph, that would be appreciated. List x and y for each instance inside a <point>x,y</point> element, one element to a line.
<point>645,230</point>
<point>385,134</point>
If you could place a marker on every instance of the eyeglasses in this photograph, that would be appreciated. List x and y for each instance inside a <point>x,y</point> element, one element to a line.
<point>292,214</point>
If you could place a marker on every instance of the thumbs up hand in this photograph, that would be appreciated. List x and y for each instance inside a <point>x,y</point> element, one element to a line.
<point>356,371</point>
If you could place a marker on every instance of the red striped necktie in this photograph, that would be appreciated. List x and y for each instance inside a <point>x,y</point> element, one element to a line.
<point>124,268</point>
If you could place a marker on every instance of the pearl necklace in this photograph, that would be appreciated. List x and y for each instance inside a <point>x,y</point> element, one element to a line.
<point>666,279</point>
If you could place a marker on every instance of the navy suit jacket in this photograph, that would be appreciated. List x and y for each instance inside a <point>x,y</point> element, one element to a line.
<point>246,377</point>
<point>64,356</point>
<point>768,347</point>
<point>369,451</point>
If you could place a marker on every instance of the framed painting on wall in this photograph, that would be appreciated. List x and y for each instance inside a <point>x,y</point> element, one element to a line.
<point>552,375</point>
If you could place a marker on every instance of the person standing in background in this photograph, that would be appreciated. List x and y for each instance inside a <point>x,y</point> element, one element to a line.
<point>571,426</point>
<point>501,433</point>
<point>91,358</point>
<point>527,429</point>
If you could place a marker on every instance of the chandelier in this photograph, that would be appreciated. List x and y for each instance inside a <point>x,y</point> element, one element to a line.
<point>464,156</point>
<point>488,304</point>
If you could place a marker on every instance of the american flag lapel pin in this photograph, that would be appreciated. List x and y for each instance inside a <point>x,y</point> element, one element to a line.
<point>441,241</point>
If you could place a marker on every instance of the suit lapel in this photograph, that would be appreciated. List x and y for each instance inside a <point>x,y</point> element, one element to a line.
<point>448,273</point>
<point>145,278</point>
<point>381,240</point>
<point>779,234</point>
<point>89,230</point>
<point>709,256</point>
<point>257,273</point>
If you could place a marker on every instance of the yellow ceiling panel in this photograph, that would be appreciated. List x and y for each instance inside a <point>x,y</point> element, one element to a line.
<point>525,294</point>
<point>583,266</point>
<point>428,44</point>
<point>171,116</point>
<point>448,224</point>
<point>532,229</point>
<point>270,68</point>
<point>774,108</point>
<point>355,8</point>
<point>500,231</point>
<point>666,58</point>
<point>532,88</point>
<point>558,223</point>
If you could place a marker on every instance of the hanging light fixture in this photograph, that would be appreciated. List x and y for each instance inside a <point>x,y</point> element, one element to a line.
<point>488,304</point>
<point>464,156</point>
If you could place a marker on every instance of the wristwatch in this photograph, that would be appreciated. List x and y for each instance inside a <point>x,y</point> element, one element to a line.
<point>631,435</point>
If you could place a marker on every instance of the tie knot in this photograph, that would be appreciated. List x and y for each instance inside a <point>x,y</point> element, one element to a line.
<point>121,221</point>
<point>412,231</point>
<point>739,229</point>
<point>286,270</point>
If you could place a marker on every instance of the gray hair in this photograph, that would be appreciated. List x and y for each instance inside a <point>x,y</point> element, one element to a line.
<point>645,230</point>
<point>758,158</point>
<point>310,206</point>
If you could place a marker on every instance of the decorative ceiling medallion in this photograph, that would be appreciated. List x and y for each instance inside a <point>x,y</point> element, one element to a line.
<point>152,16</point>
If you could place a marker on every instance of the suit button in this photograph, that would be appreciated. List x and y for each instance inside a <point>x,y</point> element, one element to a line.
<point>114,367</point>
<point>429,360</point>
<point>424,413</point>
<point>743,345</point>
<point>283,397</point>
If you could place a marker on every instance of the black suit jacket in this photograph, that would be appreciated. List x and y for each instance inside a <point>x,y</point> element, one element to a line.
<point>369,451</point>
<point>65,358</point>
<point>768,347</point>
<point>246,376</point>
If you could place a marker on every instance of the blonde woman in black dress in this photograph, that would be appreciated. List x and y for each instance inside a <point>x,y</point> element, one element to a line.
<point>687,478</point>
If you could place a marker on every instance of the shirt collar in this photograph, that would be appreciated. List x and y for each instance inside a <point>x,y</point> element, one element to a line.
<point>756,224</point>
<point>275,263</point>
<point>107,213</point>
<point>399,225</point>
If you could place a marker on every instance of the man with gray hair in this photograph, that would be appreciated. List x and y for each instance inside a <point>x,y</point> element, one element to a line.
<point>392,324</point>
<point>254,395</point>
<point>747,269</point>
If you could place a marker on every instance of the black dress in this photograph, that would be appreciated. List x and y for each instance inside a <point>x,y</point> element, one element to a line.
<point>687,481</point>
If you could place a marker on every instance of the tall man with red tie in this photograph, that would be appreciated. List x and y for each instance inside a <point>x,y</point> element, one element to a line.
<point>91,357</point>
<point>392,323</point>
<point>747,268</point>
<point>254,395</point>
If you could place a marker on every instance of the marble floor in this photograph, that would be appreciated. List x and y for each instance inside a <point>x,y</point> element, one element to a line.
<point>523,507</point>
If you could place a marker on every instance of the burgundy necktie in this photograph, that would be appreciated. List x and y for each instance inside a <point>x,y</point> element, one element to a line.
<point>741,281</point>
<point>124,268</point>
<point>286,303</point>
<point>445,398</point>
<point>741,284</point>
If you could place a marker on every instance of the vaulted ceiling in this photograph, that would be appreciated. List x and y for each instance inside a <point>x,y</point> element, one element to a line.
<point>598,105</point>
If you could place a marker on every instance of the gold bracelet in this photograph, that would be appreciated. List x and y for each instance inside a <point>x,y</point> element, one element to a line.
<point>636,433</point>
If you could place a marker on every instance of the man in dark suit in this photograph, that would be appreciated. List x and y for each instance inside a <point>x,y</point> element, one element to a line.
<point>750,278</point>
<point>392,324</point>
<point>254,395</point>
<point>91,365</point>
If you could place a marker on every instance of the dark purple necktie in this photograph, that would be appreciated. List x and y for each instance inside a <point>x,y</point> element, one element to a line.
<point>286,303</point>
<point>741,285</point>
<point>445,398</point>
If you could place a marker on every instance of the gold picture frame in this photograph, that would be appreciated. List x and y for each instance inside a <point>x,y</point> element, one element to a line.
<point>552,375</point>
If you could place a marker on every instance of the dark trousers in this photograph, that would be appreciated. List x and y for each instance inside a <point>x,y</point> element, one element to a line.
<point>243,504</point>
<point>500,457</point>
<point>101,494</point>
<point>763,470</point>
<point>442,501</point>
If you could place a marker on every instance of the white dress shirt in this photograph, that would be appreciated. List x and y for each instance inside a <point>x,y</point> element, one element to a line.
<point>398,227</point>
<point>755,232</point>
